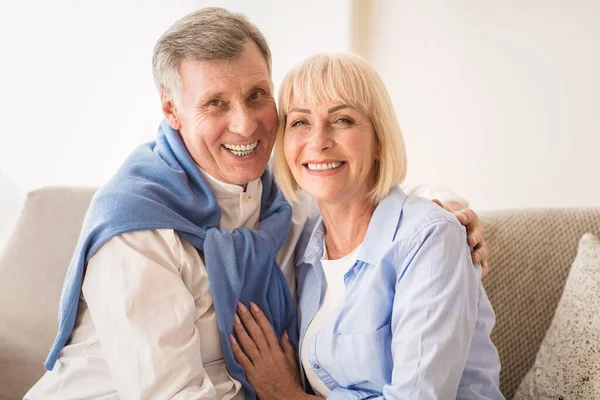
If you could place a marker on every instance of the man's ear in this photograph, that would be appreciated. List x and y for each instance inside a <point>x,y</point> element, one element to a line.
<point>169,109</point>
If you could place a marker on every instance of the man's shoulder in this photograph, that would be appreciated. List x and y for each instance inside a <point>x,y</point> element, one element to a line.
<point>162,248</point>
<point>145,242</point>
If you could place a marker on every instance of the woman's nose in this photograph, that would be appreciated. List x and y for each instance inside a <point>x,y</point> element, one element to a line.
<point>320,139</point>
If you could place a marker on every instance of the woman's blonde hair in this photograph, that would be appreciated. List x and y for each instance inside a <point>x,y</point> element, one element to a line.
<point>348,79</point>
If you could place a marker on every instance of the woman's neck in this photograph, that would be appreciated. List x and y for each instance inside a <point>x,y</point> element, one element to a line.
<point>346,225</point>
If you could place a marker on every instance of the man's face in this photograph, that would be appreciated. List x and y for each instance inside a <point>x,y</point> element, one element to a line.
<point>226,115</point>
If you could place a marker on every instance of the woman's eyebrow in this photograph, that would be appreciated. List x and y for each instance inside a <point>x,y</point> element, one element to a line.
<point>302,110</point>
<point>338,108</point>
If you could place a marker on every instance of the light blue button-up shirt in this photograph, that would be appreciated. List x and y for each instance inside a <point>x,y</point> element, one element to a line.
<point>415,322</point>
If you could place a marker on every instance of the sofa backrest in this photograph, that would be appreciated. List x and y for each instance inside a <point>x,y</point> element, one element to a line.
<point>531,254</point>
<point>33,265</point>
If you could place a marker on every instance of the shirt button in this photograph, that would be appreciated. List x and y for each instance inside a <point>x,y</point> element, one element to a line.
<point>316,366</point>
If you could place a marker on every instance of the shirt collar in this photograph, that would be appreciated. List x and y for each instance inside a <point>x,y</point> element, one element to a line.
<point>314,249</point>
<point>383,227</point>
<point>228,190</point>
<point>380,233</point>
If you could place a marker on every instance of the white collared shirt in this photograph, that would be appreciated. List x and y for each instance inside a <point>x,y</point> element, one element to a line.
<point>146,325</point>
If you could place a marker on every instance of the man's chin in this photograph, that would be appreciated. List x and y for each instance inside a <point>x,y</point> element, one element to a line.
<point>244,177</point>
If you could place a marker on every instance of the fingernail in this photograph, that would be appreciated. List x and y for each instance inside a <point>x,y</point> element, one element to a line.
<point>236,319</point>
<point>254,307</point>
<point>476,257</point>
<point>232,340</point>
<point>242,308</point>
<point>473,240</point>
<point>285,335</point>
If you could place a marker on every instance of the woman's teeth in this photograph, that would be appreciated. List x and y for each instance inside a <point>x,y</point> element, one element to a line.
<point>241,150</point>
<point>324,167</point>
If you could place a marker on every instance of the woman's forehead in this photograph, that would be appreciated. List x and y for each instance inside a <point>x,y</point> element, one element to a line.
<point>316,99</point>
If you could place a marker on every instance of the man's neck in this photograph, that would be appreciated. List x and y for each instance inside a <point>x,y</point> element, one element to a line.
<point>221,187</point>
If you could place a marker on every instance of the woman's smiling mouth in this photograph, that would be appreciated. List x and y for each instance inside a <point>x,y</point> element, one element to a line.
<point>324,166</point>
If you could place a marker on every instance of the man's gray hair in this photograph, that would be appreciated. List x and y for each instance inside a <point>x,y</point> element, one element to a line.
<point>209,34</point>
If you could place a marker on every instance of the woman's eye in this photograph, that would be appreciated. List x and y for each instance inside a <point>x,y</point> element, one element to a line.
<point>215,103</point>
<point>344,120</point>
<point>298,123</point>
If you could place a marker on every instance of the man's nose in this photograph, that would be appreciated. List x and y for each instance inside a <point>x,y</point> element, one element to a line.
<point>243,122</point>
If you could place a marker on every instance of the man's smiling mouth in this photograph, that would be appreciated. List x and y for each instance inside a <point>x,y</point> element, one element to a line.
<point>241,150</point>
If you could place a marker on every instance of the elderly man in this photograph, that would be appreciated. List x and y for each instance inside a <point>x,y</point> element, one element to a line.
<point>188,226</point>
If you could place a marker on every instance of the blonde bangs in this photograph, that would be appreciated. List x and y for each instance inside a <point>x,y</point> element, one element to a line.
<point>326,78</point>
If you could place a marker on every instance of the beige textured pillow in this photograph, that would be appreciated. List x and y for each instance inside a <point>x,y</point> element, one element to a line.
<point>567,365</point>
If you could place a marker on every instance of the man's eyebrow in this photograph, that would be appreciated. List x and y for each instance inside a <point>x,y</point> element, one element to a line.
<point>302,110</point>
<point>261,84</point>
<point>332,109</point>
<point>204,97</point>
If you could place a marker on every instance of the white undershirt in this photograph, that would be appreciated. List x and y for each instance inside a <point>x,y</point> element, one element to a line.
<point>335,289</point>
<point>146,326</point>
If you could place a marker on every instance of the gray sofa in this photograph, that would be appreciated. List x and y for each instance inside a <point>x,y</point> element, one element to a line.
<point>531,255</point>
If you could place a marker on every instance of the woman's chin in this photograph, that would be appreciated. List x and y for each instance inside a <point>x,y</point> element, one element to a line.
<point>324,196</point>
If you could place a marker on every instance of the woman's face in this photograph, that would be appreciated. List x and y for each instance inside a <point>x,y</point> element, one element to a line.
<point>331,150</point>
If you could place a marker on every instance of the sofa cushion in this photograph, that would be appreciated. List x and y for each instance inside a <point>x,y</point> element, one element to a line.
<point>33,265</point>
<point>530,255</point>
<point>568,362</point>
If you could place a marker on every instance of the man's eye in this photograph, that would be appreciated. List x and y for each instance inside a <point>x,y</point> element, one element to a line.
<point>215,103</point>
<point>255,95</point>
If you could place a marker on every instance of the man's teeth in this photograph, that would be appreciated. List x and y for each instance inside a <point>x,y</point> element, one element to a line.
<point>324,167</point>
<point>241,150</point>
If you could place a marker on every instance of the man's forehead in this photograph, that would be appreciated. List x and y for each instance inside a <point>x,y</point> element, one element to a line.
<point>239,84</point>
<point>220,76</point>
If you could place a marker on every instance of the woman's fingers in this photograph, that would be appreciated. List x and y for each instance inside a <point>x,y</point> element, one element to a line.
<point>271,369</point>
<point>290,354</point>
<point>239,355</point>
<point>288,349</point>
<point>255,331</point>
<point>263,322</point>
<point>244,340</point>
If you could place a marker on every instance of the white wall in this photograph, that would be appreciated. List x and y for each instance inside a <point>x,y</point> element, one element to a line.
<point>11,198</point>
<point>500,100</point>
<point>497,99</point>
<point>77,93</point>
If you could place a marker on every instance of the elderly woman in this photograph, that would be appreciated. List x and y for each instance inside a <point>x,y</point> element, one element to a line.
<point>390,303</point>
